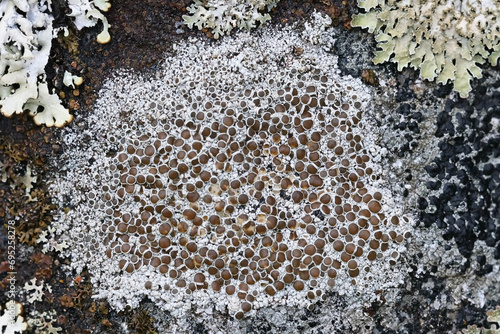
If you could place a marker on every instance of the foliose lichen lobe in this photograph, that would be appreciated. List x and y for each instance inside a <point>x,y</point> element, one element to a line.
<point>24,52</point>
<point>241,176</point>
<point>222,16</point>
<point>445,40</point>
<point>25,45</point>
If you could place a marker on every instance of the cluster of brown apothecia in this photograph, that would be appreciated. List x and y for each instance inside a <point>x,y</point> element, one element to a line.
<point>252,197</point>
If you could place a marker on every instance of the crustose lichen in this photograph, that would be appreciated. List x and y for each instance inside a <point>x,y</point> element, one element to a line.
<point>232,181</point>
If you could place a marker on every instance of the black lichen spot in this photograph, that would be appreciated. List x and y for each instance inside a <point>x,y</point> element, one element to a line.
<point>465,181</point>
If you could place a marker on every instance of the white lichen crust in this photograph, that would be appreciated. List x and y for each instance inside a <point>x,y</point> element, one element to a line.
<point>445,39</point>
<point>241,176</point>
<point>222,16</point>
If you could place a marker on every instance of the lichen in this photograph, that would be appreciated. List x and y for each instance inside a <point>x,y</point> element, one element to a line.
<point>70,80</point>
<point>25,45</point>
<point>445,40</point>
<point>11,321</point>
<point>221,16</point>
<point>50,244</point>
<point>493,318</point>
<point>242,176</point>
<point>24,52</point>
<point>43,322</point>
<point>87,13</point>
<point>25,180</point>
<point>36,291</point>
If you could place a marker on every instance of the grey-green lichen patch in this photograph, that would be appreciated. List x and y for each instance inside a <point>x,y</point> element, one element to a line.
<point>222,16</point>
<point>332,316</point>
<point>445,40</point>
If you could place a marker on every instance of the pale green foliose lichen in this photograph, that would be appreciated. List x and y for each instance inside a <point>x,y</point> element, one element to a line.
<point>221,16</point>
<point>445,39</point>
<point>70,80</point>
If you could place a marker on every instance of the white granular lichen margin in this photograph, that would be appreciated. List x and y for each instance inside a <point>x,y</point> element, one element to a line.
<point>240,176</point>
<point>445,39</point>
